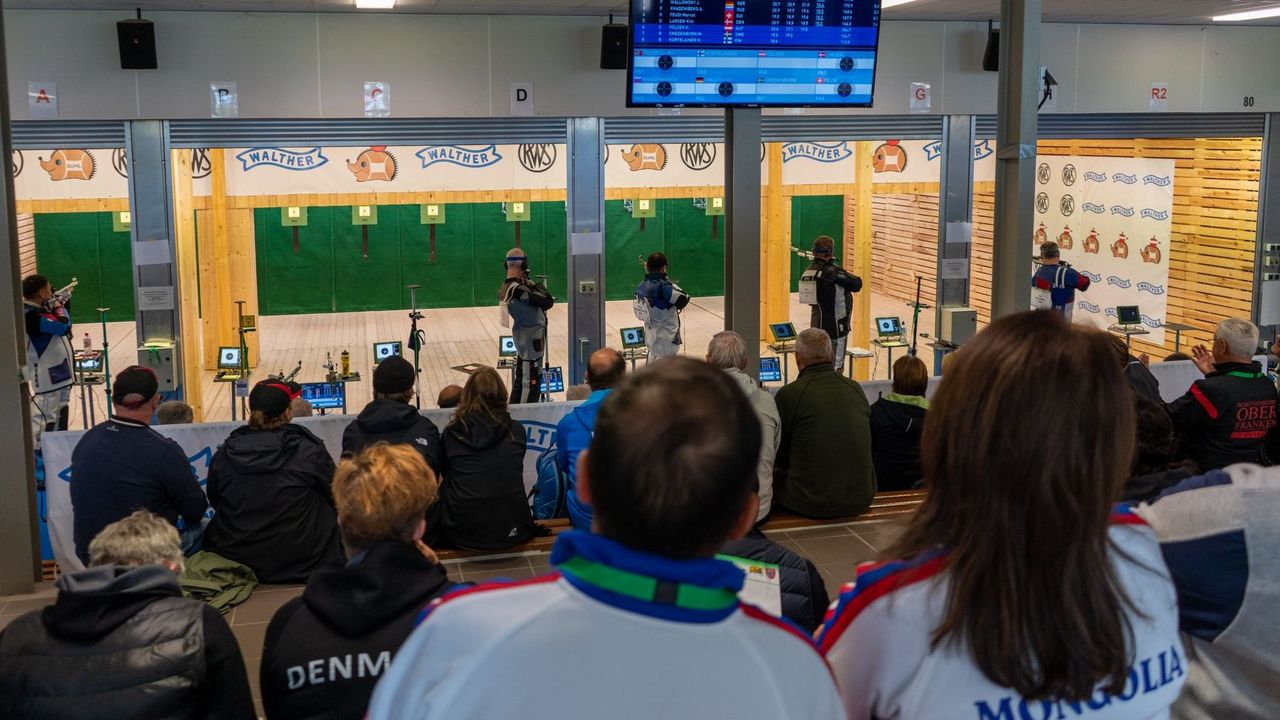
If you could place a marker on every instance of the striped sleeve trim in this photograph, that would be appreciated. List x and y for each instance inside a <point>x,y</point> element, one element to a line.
<point>872,584</point>
<point>1200,397</point>
<point>486,587</point>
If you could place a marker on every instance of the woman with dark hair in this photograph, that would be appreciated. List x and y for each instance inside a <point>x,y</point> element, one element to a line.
<point>1017,590</point>
<point>483,504</point>
<point>897,422</point>
<point>1154,470</point>
<point>270,490</point>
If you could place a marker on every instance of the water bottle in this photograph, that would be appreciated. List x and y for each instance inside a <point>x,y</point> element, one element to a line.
<point>88,344</point>
<point>346,363</point>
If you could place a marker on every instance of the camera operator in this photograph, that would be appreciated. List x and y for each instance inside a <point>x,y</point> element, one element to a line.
<point>49,354</point>
<point>527,303</point>
<point>1054,285</point>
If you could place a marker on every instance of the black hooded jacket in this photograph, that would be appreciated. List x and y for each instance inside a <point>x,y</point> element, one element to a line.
<point>396,423</point>
<point>122,642</point>
<point>348,623</point>
<point>483,504</point>
<point>271,492</point>
<point>804,594</point>
<point>896,429</point>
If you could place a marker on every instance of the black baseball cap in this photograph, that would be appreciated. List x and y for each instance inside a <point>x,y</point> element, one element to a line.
<point>271,397</point>
<point>134,387</point>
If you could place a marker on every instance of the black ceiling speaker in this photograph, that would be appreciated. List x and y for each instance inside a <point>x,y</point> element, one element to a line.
<point>991,56</point>
<point>613,46</point>
<point>137,44</point>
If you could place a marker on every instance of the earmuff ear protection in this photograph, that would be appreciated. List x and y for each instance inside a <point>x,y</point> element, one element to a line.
<point>524,261</point>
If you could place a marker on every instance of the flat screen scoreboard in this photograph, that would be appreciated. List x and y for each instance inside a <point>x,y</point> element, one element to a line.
<point>753,53</point>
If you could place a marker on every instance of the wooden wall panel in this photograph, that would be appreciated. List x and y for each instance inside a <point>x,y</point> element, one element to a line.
<point>1215,216</point>
<point>27,243</point>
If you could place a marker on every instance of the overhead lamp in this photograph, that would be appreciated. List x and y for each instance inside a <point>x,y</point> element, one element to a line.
<point>1249,15</point>
<point>375,4</point>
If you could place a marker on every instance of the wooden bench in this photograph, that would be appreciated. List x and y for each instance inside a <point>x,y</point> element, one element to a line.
<point>885,506</point>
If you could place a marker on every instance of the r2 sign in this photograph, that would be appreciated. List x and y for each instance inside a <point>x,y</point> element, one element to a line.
<point>1159,97</point>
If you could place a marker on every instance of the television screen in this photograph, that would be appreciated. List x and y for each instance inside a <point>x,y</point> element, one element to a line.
<point>753,53</point>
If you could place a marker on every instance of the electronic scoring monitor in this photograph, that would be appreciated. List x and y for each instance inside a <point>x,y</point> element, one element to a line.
<point>753,53</point>
<point>324,396</point>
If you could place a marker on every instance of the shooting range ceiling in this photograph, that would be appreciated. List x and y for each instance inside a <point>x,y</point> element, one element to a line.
<point>1179,12</point>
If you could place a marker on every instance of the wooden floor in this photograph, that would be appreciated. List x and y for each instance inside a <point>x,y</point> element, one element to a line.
<point>454,336</point>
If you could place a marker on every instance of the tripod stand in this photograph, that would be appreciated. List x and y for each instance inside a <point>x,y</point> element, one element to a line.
<point>546,349</point>
<point>106,355</point>
<point>916,307</point>
<point>415,343</point>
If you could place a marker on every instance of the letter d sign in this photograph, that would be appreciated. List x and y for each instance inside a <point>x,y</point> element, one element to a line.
<point>522,98</point>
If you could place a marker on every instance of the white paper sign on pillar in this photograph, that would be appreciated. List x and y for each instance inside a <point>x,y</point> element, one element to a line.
<point>42,100</point>
<point>224,101</point>
<point>921,97</point>
<point>377,99</point>
<point>522,98</point>
<point>1159,97</point>
<point>1048,91</point>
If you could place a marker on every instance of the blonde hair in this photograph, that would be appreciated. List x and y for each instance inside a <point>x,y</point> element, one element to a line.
<point>381,494</point>
<point>143,538</point>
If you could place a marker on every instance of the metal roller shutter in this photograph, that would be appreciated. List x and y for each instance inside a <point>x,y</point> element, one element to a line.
<point>39,135</point>
<point>355,133</point>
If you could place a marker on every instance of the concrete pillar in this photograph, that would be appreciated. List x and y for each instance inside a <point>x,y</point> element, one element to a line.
<point>586,243</point>
<point>742,229</point>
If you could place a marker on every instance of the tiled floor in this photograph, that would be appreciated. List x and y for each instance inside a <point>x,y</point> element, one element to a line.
<point>836,550</point>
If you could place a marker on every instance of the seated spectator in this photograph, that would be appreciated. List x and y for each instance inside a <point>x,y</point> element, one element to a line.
<point>605,369</point>
<point>1219,535</point>
<point>300,408</point>
<point>358,616</point>
<point>897,422</point>
<point>120,641</point>
<point>269,485</point>
<point>174,412</point>
<point>800,594</point>
<point>1154,469</point>
<point>449,397</point>
<point>823,467</point>
<point>1016,586</point>
<point>483,505</point>
<point>1177,357</point>
<point>728,352</point>
<point>390,418</point>
<point>581,391</point>
<point>123,465</point>
<point>641,621</point>
<point>1137,372</point>
<point>1224,417</point>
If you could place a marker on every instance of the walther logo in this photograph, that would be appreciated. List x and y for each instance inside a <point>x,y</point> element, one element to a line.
<point>1121,210</point>
<point>464,156</point>
<point>1155,214</point>
<point>821,152</point>
<point>1087,306</point>
<point>537,157</point>
<point>1094,208</point>
<point>1126,179</point>
<point>1159,180</point>
<point>698,156</point>
<point>1095,177</point>
<point>281,158</point>
<point>1093,277</point>
<point>1122,283</point>
<point>1153,289</point>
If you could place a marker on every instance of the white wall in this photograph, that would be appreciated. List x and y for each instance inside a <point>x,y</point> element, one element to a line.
<point>302,66</point>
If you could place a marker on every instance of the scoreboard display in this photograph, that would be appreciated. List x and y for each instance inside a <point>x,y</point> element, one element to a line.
<point>753,53</point>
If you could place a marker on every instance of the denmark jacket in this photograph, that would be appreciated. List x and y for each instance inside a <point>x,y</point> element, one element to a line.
<point>349,623</point>
<point>1223,418</point>
<point>118,643</point>
<point>823,468</point>
<point>483,505</point>
<point>396,423</point>
<point>271,492</point>
<point>897,422</point>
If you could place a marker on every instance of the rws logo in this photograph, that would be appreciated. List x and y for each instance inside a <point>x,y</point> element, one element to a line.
<point>201,165</point>
<point>818,152</point>
<point>120,162</point>
<point>698,156</point>
<point>536,157</point>
<point>296,160</point>
<point>16,163</point>
<point>461,155</point>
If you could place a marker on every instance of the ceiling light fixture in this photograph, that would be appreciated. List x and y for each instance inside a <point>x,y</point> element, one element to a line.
<point>894,3</point>
<point>1249,15</point>
<point>375,4</point>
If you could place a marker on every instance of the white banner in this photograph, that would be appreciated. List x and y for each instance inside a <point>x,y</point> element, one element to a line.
<point>199,442</point>
<point>1113,219</point>
<point>70,173</point>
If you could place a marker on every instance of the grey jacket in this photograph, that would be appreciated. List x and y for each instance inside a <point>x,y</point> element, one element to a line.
<point>770,434</point>
<point>527,303</point>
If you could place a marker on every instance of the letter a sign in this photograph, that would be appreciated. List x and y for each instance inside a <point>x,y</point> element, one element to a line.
<point>42,100</point>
